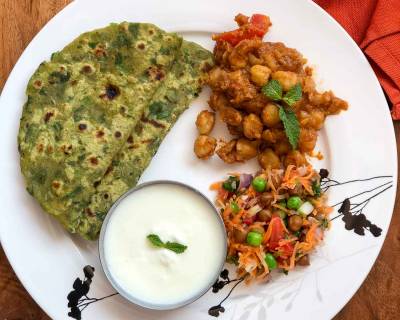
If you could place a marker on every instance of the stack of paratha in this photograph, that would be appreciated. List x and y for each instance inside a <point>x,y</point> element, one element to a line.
<point>96,114</point>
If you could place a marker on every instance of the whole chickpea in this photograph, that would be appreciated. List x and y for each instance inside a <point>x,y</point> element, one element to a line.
<point>245,149</point>
<point>257,228</point>
<point>252,126</point>
<point>269,159</point>
<point>240,234</point>
<point>260,74</point>
<point>270,115</point>
<point>227,152</point>
<point>307,140</point>
<point>265,199</point>
<point>295,222</point>
<point>287,79</point>
<point>231,116</point>
<point>264,215</point>
<point>317,119</point>
<point>204,146</point>
<point>304,260</point>
<point>282,147</point>
<point>205,121</point>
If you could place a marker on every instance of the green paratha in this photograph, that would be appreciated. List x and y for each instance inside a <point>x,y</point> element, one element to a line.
<point>82,106</point>
<point>96,114</point>
<point>182,85</point>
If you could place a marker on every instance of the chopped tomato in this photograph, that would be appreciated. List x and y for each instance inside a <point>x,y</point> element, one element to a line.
<point>249,221</point>
<point>286,250</point>
<point>256,28</point>
<point>223,194</point>
<point>262,22</point>
<point>278,232</point>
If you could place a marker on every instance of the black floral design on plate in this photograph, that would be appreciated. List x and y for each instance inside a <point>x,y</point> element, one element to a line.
<point>78,299</point>
<point>352,213</point>
<point>219,285</point>
<point>357,222</point>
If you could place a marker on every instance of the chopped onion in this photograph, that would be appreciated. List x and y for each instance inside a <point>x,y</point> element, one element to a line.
<point>281,196</point>
<point>249,267</point>
<point>302,171</point>
<point>245,180</point>
<point>252,202</point>
<point>254,210</point>
<point>306,208</point>
<point>311,219</point>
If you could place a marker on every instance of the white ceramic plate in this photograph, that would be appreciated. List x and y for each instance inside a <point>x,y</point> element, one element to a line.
<point>359,143</point>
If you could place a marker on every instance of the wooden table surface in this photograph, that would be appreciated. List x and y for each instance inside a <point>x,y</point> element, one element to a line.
<point>378,297</point>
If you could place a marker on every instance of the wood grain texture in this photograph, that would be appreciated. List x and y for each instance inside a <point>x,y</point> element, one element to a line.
<point>379,296</point>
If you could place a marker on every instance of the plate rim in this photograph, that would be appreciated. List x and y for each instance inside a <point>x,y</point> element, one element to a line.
<point>29,286</point>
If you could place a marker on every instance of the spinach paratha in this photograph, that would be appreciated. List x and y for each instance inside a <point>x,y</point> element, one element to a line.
<point>181,86</point>
<point>82,106</point>
<point>96,114</point>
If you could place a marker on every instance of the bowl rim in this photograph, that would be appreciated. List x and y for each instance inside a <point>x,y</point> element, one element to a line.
<point>127,295</point>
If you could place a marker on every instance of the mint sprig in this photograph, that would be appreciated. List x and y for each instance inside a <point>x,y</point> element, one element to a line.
<point>173,246</point>
<point>273,90</point>
<point>293,95</point>
<point>291,124</point>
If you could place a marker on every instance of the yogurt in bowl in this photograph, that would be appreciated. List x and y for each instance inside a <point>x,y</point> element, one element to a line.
<point>162,245</point>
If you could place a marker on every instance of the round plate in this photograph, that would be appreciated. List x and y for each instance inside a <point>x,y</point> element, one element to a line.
<point>358,144</point>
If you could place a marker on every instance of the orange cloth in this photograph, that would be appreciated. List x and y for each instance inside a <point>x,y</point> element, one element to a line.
<point>375,26</point>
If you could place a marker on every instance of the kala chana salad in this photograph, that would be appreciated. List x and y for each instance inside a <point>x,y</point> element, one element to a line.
<point>266,95</point>
<point>273,219</point>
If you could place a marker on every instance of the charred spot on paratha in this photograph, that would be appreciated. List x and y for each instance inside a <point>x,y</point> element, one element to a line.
<point>111,92</point>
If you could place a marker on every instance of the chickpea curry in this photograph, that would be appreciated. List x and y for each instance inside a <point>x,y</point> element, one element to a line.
<point>267,97</point>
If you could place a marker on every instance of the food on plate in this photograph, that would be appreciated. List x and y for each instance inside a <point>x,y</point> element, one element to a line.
<point>205,121</point>
<point>85,103</point>
<point>170,266</point>
<point>253,28</point>
<point>274,220</point>
<point>204,146</point>
<point>182,84</point>
<point>266,94</point>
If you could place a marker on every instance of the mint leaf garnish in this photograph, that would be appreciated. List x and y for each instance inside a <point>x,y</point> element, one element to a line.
<point>273,90</point>
<point>293,95</point>
<point>155,240</point>
<point>173,246</point>
<point>291,124</point>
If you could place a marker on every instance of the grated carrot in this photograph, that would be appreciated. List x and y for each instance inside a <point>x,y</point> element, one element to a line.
<point>293,257</point>
<point>216,186</point>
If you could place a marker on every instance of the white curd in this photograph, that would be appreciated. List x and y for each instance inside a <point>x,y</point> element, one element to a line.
<point>159,276</point>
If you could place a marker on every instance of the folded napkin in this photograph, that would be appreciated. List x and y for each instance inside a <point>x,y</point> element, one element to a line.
<point>375,26</point>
